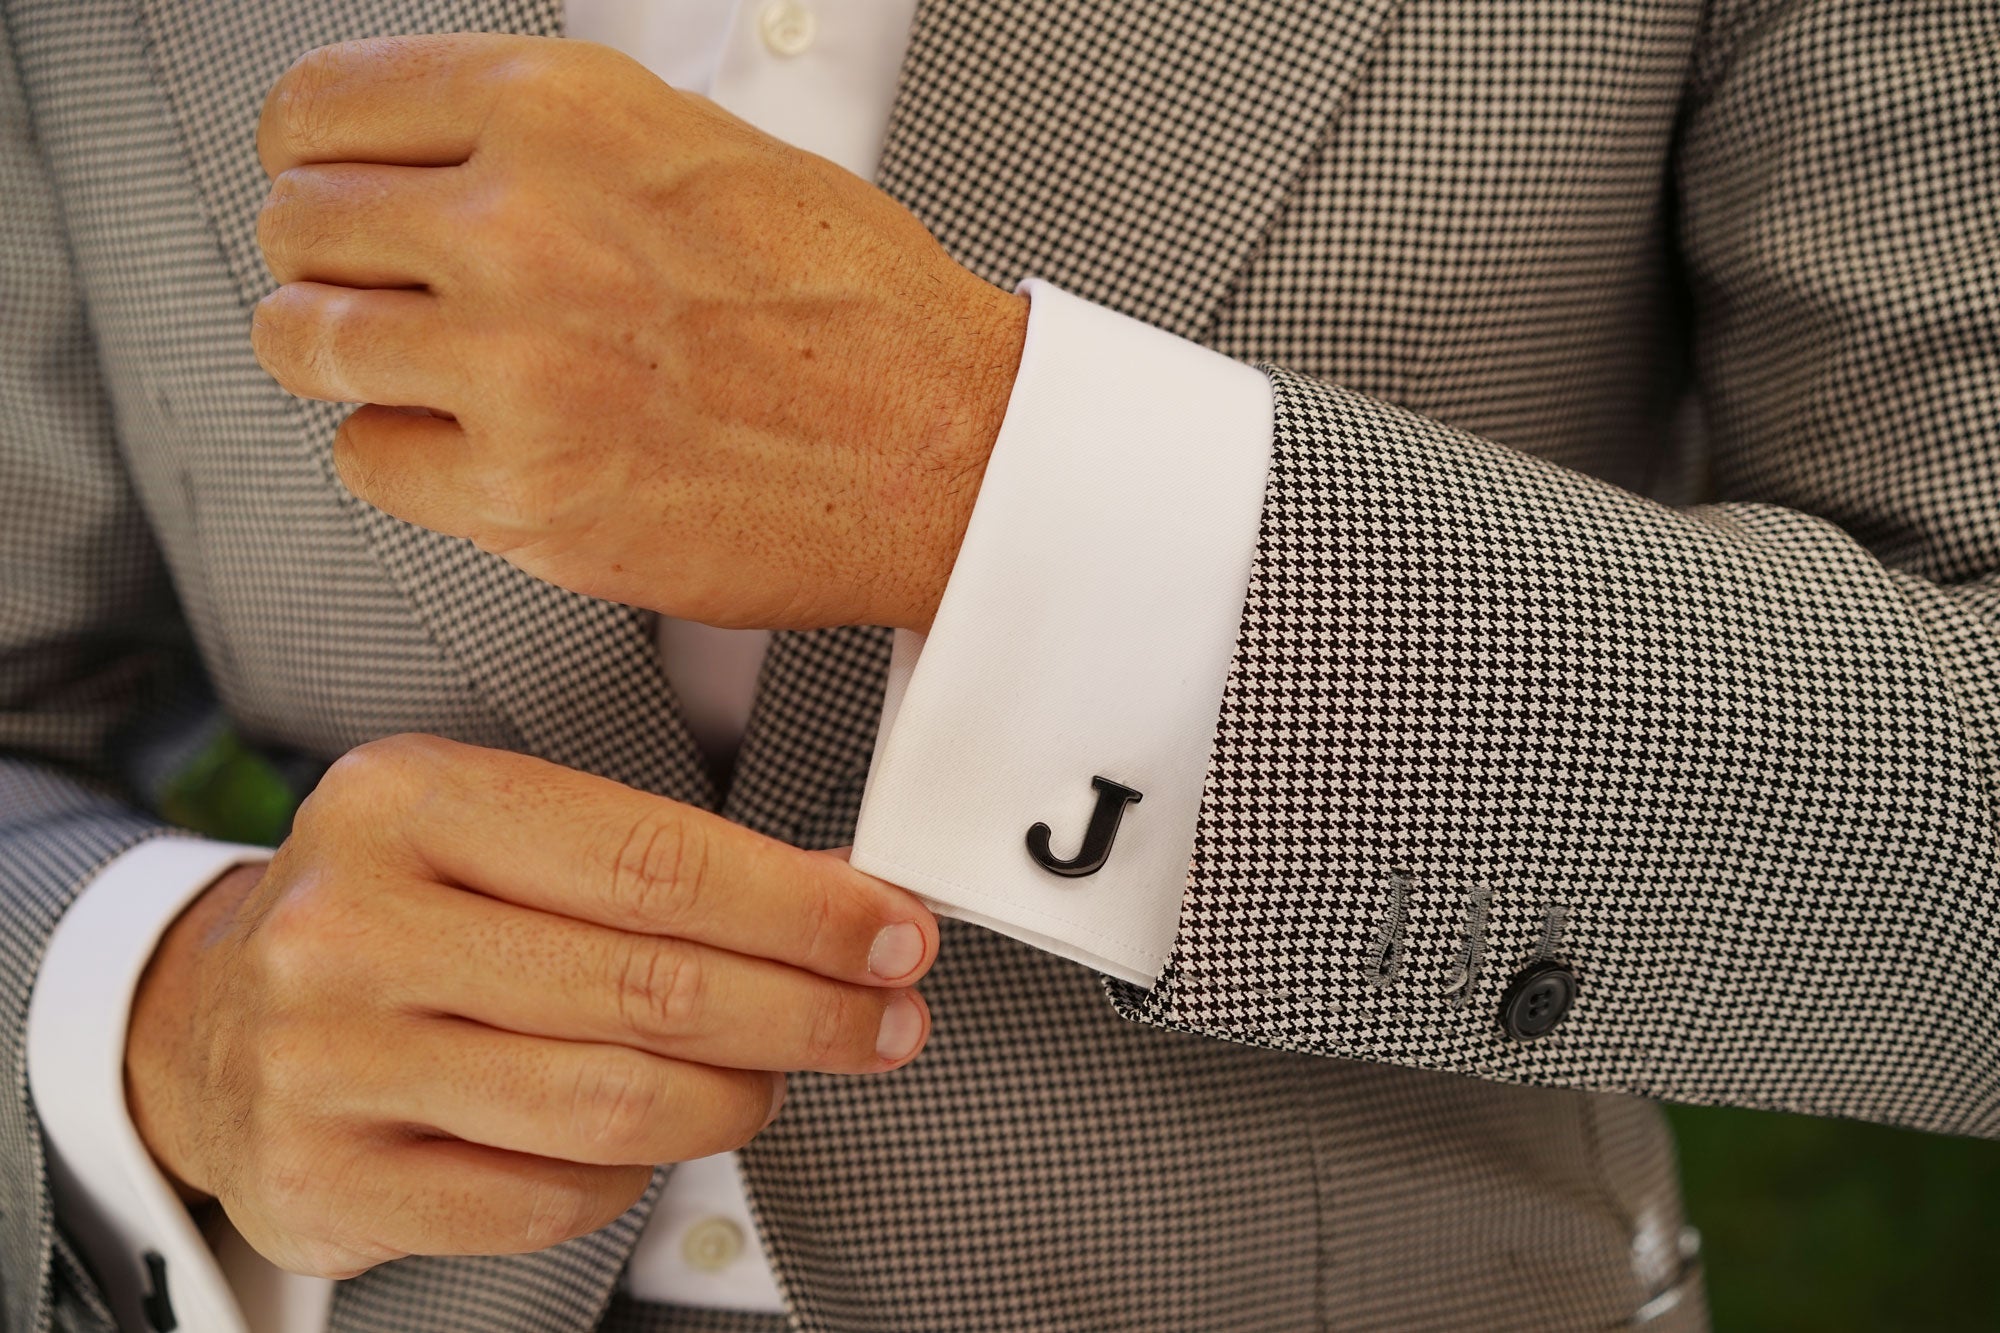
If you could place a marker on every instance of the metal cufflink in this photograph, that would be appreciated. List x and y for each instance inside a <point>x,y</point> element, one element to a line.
<point>1112,798</point>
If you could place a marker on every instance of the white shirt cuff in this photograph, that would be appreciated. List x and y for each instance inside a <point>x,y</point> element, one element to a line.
<point>109,1195</point>
<point>1086,632</point>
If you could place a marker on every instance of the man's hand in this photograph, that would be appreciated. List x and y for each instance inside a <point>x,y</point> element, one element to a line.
<point>621,338</point>
<point>476,997</point>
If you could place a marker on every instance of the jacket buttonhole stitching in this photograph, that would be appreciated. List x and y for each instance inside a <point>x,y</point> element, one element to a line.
<point>1386,957</point>
<point>1472,952</point>
<point>1555,920</point>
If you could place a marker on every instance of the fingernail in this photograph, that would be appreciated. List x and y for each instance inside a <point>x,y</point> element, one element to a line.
<point>896,951</point>
<point>902,1029</point>
<point>777,1102</point>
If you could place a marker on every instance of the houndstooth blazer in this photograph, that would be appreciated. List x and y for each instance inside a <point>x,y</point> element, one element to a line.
<point>1730,759</point>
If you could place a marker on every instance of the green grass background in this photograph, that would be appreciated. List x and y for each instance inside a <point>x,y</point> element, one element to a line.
<point>1828,1226</point>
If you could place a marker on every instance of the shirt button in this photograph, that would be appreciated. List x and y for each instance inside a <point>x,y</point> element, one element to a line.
<point>787,27</point>
<point>712,1244</point>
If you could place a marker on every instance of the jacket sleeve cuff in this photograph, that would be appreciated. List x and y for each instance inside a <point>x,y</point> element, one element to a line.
<point>1085,633</point>
<point>109,1195</point>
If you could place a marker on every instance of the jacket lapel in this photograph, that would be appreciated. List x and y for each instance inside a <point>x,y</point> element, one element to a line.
<point>1132,154</point>
<point>578,678</point>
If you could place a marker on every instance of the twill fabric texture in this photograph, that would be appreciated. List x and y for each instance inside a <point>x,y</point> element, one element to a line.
<point>1725,751</point>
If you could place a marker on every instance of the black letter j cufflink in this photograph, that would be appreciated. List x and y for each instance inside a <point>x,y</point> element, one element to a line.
<point>1112,798</point>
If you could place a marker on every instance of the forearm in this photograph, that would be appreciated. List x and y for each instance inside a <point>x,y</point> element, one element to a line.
<point>1718,761</point>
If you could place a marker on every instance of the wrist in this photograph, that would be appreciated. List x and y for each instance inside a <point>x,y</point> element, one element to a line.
<point>162,1048</point>
<point>985,361</point>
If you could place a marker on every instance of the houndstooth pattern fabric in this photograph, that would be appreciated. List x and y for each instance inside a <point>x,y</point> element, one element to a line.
<point>804,758</point>
<point>1531,713</point>
<point>1729,761</point>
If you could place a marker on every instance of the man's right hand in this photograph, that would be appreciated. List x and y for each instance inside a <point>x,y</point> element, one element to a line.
<point>477,996</point>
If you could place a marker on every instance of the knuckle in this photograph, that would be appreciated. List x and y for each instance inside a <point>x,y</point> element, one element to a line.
<point>306,1201</point>
<point>277,221</point>
<point>819,925</point>
<point>572,1202</point>
<point>505,216</point>
<point>345,793</point>
<point>753,1112</point>
<point>659,872</point>
<point>520,73</point>
<point>833,1031</point>
<point>388,763</point>
<point>560,1208</point>
<point>303,336</point>
<point>353,772</point>
<point>663,990</point>
<point>331,339</point>
<point>349,786</point>
<point>616,1103</point>
<point>327,959</point>
<point>290,949</point>
<point>302,215</point>
<point>351,463</point>
<point>304,109</point>
<point>409,751</point>
<point>315,812</point>
<point>274,332</point>
<point>530,85</point>
<point>374,789</point>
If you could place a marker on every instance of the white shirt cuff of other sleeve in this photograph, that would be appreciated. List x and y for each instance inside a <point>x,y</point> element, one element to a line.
<point>1086,631</point>
<point>109,1195</point>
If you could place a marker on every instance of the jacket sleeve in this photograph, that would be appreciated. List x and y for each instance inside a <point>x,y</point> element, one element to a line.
<point>1733,764</point>
<point>89,637</point>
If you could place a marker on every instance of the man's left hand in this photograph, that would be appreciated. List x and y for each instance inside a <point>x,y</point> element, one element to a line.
<point>610,332</point>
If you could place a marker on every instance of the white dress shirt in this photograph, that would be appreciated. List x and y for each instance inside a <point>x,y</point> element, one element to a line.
<point>1086,631</point>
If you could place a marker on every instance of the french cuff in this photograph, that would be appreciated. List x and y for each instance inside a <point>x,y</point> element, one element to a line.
<point>111,1198</point>
<point>1081,645</point>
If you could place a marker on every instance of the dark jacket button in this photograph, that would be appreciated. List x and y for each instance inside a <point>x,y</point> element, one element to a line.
<point>1536,1000</point>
